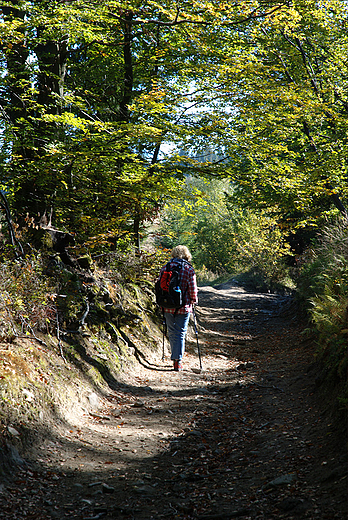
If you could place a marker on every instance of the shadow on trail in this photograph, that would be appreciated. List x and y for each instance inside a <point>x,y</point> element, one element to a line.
<point>248,442</point>
<point>231,309</point>
<point>104,371</point>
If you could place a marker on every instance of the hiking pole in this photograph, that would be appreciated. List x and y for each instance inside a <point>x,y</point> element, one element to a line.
<point>196,331</point>
<point>164,332</point>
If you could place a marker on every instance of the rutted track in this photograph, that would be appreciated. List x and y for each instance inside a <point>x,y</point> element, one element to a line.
<point>244,438</point>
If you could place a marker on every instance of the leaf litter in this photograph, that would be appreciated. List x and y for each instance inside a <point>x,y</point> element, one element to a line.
<point>247,437</point>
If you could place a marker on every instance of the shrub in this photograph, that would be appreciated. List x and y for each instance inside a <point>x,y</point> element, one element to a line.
<point>323,287</point>
<point>224,238</point>
<point>26,298</point>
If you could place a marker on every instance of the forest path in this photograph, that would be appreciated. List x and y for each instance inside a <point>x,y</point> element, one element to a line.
<point>242,438</point>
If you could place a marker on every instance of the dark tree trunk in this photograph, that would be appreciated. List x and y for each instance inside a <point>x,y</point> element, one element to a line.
<point>136,231</point>
<point>17,79</point>
<point>123,114</point>
<point>31,134</point>
<point>52,60</point>
<point>128,69</point>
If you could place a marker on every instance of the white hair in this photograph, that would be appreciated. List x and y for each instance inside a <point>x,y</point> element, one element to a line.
<point>181,252</point>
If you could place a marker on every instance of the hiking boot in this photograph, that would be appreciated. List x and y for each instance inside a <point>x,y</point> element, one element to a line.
<point>177,365</point>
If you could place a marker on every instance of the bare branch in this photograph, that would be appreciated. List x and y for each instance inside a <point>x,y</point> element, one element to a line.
<point>252,16</point>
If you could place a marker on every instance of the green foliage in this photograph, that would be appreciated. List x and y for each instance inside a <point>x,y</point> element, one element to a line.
<point>26,298</point>
<point>91,92</point>
<point>107,84</point>
<point>288,134</point>
<point>323,286</point>
<point>130,266</point>
<point>222,237</point>
<point>82,144</point>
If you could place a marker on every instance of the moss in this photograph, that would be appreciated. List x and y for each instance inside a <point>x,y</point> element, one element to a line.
<point>85,262</point>
<point>100,312</point>
<point>94,358</point>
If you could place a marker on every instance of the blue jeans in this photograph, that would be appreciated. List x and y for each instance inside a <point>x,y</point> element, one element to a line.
<point>177,328</point>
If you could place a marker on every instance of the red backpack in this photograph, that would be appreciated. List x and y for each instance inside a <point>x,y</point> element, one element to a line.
<point>169,293</point>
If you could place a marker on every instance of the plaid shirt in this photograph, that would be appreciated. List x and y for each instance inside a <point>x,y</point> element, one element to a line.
<point>188,284</point>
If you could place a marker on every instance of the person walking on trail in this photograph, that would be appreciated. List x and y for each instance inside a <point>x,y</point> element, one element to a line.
<point>177,319</point>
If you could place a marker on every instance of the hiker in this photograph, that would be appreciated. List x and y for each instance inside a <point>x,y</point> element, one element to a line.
<point>177,319</point>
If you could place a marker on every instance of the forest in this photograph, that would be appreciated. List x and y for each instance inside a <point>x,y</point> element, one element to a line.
<point>129,127</point>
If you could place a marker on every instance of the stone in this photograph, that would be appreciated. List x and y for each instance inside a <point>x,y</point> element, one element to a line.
<point>294,505</point>
<point>13,431</point>
<point>107,489</point>
<point>144,490</point>
<point>94,401</point>
<point>283,480</point>
<point>28,395</point>
<point>77,486</point>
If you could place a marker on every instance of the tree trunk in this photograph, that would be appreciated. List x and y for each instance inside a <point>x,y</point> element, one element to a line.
<point>52,60</point>
<point>128,69</point>
<point>136,231</point>
<point>17,78</point>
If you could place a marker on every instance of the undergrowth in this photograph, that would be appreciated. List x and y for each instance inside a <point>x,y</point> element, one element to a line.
<point>26,298</point>
<point>35,292</point>
<point>323,289</point>
<point>60,326</point>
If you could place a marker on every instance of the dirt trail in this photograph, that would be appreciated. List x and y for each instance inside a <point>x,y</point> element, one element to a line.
<point>244,438</point>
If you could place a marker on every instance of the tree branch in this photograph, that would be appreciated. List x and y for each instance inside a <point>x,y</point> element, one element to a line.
<point>252,16</point>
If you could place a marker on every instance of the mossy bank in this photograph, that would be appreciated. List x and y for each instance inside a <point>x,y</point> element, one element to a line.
<point>53,374</point>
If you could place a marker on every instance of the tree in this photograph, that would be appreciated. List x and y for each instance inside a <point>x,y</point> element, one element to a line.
<point>288,144</point>
<point>91,91</point>
<point>223,237</point>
